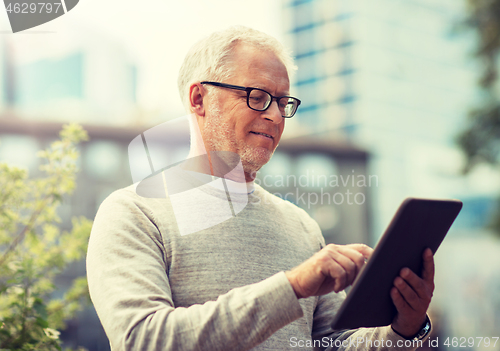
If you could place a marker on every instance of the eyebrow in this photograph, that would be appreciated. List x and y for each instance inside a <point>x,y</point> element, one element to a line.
<point>260,87</point>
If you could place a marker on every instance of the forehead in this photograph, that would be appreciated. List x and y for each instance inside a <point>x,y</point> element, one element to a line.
<point>258,68</point>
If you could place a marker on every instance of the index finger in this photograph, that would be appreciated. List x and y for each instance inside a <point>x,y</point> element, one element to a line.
<point>428,269</point>
<point>363,249</point>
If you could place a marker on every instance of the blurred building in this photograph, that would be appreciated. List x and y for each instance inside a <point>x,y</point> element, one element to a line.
<point>396,78</point>
<point>329,179</point>
<point>393,78</point>
<point>93,82</point>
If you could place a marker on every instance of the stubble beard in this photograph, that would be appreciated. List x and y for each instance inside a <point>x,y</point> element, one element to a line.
<point>222,137</point>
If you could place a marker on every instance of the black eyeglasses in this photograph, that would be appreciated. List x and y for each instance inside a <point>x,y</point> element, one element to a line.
<point>260,100</point>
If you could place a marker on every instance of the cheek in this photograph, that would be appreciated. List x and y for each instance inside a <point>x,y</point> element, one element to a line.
<point>281,129</point>
<point>238,120</point>
<point>241,133</point>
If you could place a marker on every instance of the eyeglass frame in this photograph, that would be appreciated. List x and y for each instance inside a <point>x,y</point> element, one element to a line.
<point>249,90</point>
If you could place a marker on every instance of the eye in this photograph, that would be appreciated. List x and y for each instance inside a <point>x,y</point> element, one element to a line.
<point>257,95</point>
<point>258,99</point>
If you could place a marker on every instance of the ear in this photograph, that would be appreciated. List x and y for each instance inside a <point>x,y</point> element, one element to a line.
<point>196,94</point>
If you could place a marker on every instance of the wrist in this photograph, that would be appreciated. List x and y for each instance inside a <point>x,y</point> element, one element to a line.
<point>422,332</point>
<point>291,279</point>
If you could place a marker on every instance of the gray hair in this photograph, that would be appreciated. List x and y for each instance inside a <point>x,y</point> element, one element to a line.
<point>209,59</point>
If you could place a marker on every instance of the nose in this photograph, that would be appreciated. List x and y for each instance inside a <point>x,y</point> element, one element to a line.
<point>273,113</point>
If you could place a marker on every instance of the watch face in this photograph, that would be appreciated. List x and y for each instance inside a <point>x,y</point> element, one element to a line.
<point>425,330</point>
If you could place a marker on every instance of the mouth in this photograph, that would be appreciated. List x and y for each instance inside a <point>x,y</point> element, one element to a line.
<point>263,134</point>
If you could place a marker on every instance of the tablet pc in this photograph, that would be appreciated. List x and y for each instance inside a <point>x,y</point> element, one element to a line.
<point>418,224</point>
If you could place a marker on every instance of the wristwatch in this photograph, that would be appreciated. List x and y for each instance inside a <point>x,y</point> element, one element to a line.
<point>424,331</point>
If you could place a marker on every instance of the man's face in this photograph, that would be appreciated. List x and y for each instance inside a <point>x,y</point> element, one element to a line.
<point>230,125</point>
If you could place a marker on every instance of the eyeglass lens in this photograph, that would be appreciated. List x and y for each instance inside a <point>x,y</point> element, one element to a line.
<point>260,100</point>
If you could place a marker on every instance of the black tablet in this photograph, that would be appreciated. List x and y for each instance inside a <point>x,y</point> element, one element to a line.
<point>418,224</point>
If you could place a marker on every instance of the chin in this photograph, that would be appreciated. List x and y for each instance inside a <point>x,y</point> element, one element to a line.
<point>253,160</point>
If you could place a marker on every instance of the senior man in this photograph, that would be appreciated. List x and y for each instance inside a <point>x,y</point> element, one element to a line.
<point>233,286</point>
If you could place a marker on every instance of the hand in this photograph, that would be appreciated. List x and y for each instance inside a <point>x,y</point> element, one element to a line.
<point>411,296</point>
<point>333,268</point>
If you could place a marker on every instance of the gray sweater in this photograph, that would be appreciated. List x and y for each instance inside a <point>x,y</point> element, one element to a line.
<point>220,288</point>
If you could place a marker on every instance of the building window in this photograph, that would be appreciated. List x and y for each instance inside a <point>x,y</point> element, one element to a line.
<point>19,150</point>
<point>103,160</point>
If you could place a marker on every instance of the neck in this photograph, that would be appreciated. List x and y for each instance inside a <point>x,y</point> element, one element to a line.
<point>222,164</point>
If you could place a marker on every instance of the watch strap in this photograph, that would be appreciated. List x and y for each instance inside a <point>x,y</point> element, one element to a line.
<point>422,333</point>
<point>426,328</point>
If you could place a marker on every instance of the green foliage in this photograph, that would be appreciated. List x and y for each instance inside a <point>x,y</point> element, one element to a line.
<point>33,250</point>
<point>480,141</point>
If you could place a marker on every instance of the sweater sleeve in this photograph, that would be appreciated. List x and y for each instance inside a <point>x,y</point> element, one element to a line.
<point>129,286</point>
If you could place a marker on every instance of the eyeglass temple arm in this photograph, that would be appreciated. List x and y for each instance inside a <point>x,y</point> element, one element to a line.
<point>224,85</point>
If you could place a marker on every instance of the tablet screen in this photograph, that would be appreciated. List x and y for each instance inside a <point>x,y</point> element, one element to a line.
<point>418,224</point>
